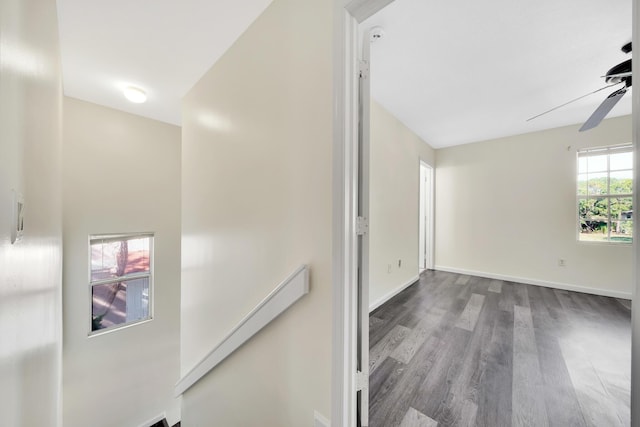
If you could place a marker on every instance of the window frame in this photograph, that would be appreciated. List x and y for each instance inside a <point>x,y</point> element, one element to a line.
<point>599,151</point>
<point>115,237</point>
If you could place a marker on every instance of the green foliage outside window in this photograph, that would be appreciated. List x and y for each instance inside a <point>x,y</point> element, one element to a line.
<point>605,188</point>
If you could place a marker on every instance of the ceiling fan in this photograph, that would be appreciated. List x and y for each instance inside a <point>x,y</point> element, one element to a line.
<point>620,74</point>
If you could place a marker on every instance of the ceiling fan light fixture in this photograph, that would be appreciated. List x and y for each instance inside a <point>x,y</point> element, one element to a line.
<point>620,74</point>
<point>135,94</point>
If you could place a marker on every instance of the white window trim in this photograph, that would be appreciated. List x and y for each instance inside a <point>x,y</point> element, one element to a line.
<point>113,238</point>
<point>598,151</point>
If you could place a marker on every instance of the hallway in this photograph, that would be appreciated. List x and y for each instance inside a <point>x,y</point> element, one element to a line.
<point>455,350</point>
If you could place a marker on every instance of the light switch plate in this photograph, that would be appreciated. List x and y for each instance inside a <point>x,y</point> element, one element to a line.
<point>17,225</point>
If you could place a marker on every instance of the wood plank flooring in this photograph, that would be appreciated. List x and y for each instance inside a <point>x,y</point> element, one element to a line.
<point>457,350</point>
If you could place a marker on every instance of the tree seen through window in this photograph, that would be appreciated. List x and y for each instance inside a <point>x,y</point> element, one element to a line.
<point>605,194</point>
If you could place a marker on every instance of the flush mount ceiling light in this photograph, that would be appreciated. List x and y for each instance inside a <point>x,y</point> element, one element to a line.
<point>135,94</point>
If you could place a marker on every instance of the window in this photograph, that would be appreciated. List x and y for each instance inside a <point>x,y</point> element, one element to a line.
<point>120,280</point>
<point>605,194</point>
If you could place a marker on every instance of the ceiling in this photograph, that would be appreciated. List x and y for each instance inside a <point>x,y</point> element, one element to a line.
<point>453,72</point>
<point>161,46</point>
<point>459,72</point>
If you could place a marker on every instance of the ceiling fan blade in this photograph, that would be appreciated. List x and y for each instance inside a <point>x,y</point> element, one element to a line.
<point>604,108</point>
<point>627,74</point>
<point>573,100</point>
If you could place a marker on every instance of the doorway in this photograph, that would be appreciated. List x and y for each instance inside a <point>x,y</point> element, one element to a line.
<point>426,213</point>
<point>346,139</point>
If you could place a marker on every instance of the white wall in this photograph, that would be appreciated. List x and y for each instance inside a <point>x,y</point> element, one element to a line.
<point>121,174</point>
<point>394,203</point>
<point>256,204</point>
<point>508,207</point>
<point>30,271</point>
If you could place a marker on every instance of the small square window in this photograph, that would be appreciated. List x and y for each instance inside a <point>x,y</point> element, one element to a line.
<point>120,280</point>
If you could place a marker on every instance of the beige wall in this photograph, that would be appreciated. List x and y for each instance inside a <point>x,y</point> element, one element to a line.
<point>30,271</point>
<point>508,207</point>
<point>256,204</point>
<point>121,174</point>
<point>394,187</point>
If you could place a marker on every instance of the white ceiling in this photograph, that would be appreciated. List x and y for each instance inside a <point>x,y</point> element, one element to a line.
<point>459,72</point>
<point>454,72</point>
<point>162,46</point>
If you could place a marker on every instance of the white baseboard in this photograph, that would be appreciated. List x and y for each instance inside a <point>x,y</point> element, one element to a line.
<point>392,294</point>
<point>537,282</point>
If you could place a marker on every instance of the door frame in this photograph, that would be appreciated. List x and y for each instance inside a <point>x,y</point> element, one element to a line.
<point>347,15</point>
<point>429,206</point>
<point>422,217</point>
<point>635,308</point>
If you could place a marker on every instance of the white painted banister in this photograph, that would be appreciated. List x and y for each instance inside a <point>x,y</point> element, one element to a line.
<point>280,299</point>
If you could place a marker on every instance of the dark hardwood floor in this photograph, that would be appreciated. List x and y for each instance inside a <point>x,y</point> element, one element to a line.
<point>455,350</point>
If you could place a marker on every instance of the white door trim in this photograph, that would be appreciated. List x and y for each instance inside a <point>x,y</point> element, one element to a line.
<point>343,405</point>
<point>422,215</point>
<point>635,307</point>
<point>426,230</point>
<point>347,15</point>
<point>431,217</point>
<point>364,101</point>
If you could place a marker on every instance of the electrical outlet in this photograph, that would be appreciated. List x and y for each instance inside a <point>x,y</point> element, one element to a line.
<point>399,263</point>
<point>562,262</point>
<point>388,268</point>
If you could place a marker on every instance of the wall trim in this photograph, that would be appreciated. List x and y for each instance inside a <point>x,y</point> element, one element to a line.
<point>538,282</point>
<point>635,308</point>
<point>347,15</point>
<point>393,293</point>
<point>344,295</point>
